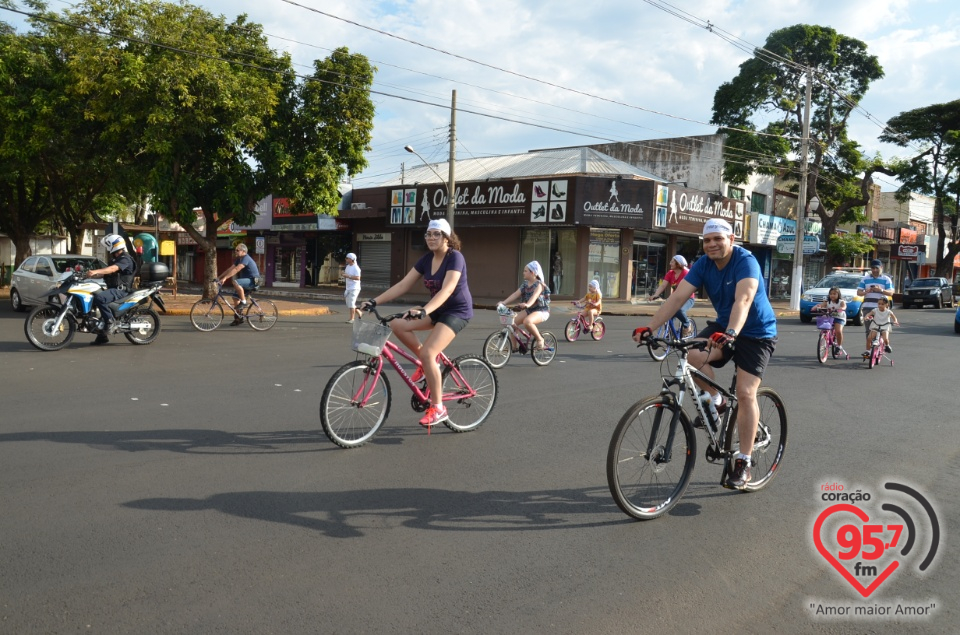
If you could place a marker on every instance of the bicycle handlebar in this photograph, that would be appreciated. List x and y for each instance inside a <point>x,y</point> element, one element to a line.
<point>682,345</point>
<point>389,318</point>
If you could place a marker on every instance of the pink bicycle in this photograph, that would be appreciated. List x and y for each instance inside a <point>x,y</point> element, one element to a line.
<point>578,324</point>
<point>827,341</point>
<point>356,400</point>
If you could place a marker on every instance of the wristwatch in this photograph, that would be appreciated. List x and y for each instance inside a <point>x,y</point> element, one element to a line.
<point>731,332</point>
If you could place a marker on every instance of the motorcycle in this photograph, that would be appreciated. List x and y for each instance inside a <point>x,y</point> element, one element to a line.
<point>69,309</point>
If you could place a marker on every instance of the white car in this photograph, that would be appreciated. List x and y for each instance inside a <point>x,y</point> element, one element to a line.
<point>39,274</point>
<point>847,282</point>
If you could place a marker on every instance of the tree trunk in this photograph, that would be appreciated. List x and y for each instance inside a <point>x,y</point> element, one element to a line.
<point>21,243</point>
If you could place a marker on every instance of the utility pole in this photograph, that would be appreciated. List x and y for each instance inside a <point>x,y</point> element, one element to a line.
<point>797,278</point>
<point>451,180</point>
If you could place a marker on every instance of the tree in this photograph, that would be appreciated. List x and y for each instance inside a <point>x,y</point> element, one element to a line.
<point>770,88</point>
<point>934,170</point>
<point>843,247</point>
<point>221,118</point>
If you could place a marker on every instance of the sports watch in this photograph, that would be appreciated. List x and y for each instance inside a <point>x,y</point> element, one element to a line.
<point>731,332</point>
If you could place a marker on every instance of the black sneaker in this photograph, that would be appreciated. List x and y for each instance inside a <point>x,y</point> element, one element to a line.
<point>739,477</point>
<point>101,339</point>
<point>698,422</point>
<point>888,349</point>
<point>236,321</point>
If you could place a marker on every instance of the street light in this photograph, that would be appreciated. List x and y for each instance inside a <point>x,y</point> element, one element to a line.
<point>450,202</point>
<point>797,281</point>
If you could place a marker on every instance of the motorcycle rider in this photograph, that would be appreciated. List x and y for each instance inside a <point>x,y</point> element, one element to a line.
<point>119,276</point>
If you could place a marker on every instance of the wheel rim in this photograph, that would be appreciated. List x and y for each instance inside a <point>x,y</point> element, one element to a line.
<point>599,330</point>
<point>544,356</point>
<point>468,405</point>
<point>206,315</point>
<point>572,332</point>
<point>496,349</point>
<point>822,348</point>
<point>262,317</point>
<point>345,422</point>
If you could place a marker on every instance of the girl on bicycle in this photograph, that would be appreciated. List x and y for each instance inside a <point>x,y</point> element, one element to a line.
<point>592,303</point>
<point>533,308</point>
<point>446,313</point>
<point>678,271</point>
<point>881,319</point>
<point>836,305</point>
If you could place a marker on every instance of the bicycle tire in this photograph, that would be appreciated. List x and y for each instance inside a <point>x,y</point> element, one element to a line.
<point>822,346</point>
<point>770,442</point>
<point>346,422</point>
<point>545,355</point>
<point>693,327</point>
<point>262,315</point>
<point>643,486</point>
<point>206,315</point>
<point>658,352</point>
<point>872,360</point>
<point>497,349</point>
<point>599,330</point>
<point>572,331</point>
<point>466,412</point>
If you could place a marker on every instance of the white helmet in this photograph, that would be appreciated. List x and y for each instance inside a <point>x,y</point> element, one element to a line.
<point>113,243</point>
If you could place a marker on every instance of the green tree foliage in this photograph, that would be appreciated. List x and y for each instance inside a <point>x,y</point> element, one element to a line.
<point>767,96</point>
<point>843,247</point>
<point>934,170</point>
<point>220,119</point>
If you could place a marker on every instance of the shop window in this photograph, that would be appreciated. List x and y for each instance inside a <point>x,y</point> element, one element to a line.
<point>603,260</point>
<point>556,251</point>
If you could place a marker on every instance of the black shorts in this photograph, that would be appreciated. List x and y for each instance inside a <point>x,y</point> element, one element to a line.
<point>455,324</point>
<point>750,354</point>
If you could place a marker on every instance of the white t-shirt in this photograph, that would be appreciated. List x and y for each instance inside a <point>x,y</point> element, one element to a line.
<point>352,270</point>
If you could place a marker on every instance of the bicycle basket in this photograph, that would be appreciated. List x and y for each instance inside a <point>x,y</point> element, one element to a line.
<point>369,337</point>
<point>507,318</point>
<point>825,322</point>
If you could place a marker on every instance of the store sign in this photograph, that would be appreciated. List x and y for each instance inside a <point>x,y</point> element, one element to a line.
<point>907,252</point>
<point>381,237</point>
<point>617,203</point>
<point>687,210</point>
<point>767,229</point>
<point>787,244</point>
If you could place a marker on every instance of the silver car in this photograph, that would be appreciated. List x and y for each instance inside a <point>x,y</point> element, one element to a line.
<point>37,275</point>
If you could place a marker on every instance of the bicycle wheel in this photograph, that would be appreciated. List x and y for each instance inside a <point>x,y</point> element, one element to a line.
<point>355,404</point>
<point>469,392</point>
<point>599,330</point>
<point>874,356</point>
<point>822,347</point>
<point>206,315</point>
<point>693,327</point>
<point>770,441</point>
<point>262,315</point>
<point>658,352</point>
<point>545,355</point>
<point>497,349</point>
<point>572,330</point>
<point>649,464</point>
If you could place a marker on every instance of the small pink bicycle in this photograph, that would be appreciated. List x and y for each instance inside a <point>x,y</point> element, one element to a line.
<point>578,324</point>
<point>356,400</point>
<point>827,341</point>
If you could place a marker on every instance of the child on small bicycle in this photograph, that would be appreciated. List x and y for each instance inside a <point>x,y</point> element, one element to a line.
<point>881,319</point>
<point>533,308</point>
<point>836,306</point>
<point>591,303</point>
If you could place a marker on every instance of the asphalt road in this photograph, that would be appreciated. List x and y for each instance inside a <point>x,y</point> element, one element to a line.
<point>187,487</point>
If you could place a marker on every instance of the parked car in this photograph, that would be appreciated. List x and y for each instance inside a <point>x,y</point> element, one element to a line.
<point>935,291</point>
<point>847,281</point>
<point>39,274</point>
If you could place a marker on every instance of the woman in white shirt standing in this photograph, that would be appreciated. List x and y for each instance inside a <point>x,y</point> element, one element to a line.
<point>352,275</point>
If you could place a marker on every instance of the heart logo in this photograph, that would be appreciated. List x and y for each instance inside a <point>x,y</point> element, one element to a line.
<point>829,557</point>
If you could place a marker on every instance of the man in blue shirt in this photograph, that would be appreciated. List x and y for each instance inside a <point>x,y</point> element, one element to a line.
<point>244,272</point>
<point>733,281</point>
<point>872,287</point>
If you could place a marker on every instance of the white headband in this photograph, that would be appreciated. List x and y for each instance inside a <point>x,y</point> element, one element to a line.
<point>717,226</point>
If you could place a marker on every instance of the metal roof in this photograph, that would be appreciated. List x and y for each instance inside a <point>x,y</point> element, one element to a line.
<point>540,163</point>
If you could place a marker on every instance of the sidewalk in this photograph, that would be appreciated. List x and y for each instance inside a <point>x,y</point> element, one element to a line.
<point>327,300</point>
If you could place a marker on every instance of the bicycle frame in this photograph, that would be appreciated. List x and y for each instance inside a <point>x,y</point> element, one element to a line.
<point>683,379</point>
<point>388,353</point>
<point>222,297</point>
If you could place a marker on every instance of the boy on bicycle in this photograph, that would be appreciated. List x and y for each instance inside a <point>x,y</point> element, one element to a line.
<point>732,278</point>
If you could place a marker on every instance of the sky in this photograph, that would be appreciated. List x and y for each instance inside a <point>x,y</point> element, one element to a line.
<point>553,73</point>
